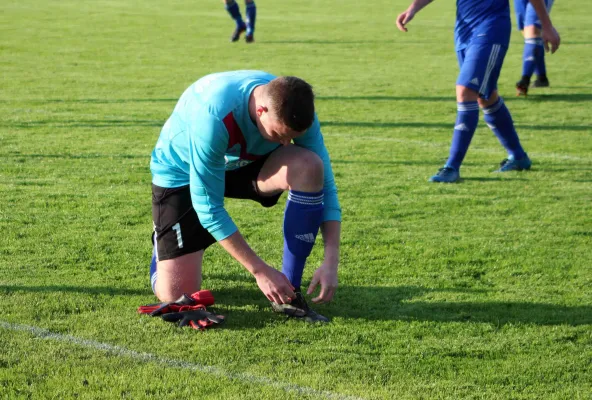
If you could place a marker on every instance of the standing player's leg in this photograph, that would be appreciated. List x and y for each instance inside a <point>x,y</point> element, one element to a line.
<point>534,51</point>
<point>541,67</point>
<point>496,114</point>
<point>179,244</point>
<point>467,117</point>
<point>251,10</point>
<point>235,14</point>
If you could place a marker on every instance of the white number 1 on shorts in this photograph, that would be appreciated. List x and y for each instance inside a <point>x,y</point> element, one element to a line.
<point>177,228</point>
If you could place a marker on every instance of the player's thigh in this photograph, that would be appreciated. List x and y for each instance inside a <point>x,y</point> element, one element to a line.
<point>241,183</point>
<point>531,19</point>
<point>291,167</point>
<point>179,275</point>
<point>481,68</point>
<point>520,10</point>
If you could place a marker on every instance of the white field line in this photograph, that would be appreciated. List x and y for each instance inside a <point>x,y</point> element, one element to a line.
<point>423,143</point>
<point>170,362</point>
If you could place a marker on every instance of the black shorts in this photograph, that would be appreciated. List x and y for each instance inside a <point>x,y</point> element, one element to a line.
<point>177,229</point>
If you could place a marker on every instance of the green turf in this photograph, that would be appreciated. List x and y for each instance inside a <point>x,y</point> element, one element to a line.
<point>475,290</point>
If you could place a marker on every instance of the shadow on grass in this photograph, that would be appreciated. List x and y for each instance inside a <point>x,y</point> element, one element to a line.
<point>492,178</point>
<point>90,290</point>
<point>568,97</point>
<point>398,304</point>
<point>77,156</point>
<point>246,308</point>
<point>439,125</point>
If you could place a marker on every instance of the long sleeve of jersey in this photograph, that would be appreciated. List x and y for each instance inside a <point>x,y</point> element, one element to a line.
<point>208,143</point>
<point>313,141</point>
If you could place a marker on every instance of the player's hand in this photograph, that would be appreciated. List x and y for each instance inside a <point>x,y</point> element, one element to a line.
<point>404,18</point>
<point>326,276</point>
<point>275,285</point>
<point>551,39</point>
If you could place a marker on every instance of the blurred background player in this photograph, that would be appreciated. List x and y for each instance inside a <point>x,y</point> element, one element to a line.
<point>482,36</point>
<point>230,135</point>
<point>242,26</point>
<point>533,59</point>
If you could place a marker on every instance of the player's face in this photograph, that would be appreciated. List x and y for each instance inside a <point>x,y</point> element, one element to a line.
<point>274,130</point>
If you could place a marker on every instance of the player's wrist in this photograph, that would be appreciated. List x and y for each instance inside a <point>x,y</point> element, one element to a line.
<point>259,269</point>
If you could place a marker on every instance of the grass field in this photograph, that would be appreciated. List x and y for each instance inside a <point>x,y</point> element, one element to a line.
<point>481,289</point>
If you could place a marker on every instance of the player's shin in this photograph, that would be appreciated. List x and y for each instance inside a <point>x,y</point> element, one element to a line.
<point>498,118</point>
<point>302,219</point>
<point>251,10</point>
<point>532,47</point>
<point>153,272</point>
<point>467,118</point>
<point>235,14</point>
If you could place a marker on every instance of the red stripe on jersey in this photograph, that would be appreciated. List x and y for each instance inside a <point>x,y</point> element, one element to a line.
<point>235,136</point>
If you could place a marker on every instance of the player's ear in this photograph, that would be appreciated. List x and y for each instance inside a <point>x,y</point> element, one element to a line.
<point>261,110</point>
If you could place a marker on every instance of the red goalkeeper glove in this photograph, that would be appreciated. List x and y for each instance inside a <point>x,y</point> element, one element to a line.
<point>203,297</point>
<point>195,316</point>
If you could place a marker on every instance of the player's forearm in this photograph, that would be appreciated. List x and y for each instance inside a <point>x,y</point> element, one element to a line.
<point>331,231</point>
<point>417,5</point>
<point>541,11</point>
<point>238,248</point>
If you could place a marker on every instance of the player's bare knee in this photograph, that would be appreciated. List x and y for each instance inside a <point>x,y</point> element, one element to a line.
<point>306,172</point>
<point>464,94</point>
<point>532,31</point>
<point>483,103</point>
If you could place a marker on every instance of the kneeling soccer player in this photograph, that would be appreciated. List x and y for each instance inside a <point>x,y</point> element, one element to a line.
<point>230,135</point>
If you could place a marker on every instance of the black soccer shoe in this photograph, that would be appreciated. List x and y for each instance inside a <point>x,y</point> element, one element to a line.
<point>540,81</point>
<point>298,309</point>
<point>522,86</point>
<point>249,38</point>
<point>237,33</point>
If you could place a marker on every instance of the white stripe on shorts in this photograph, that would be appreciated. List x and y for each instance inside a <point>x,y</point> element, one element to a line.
<point>490,66</point>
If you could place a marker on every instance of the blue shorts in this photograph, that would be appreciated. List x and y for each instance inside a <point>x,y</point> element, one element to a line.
<point>526,15</point>
<point>480,67</point>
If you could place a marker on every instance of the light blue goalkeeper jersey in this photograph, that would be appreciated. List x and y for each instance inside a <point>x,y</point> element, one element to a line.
<point>210,132</point>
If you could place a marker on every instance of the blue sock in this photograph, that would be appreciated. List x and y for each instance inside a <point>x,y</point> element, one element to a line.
<point>153,273</point>
<point>467,118</point>
<point>251,16</point>
<point>530,56</point>
<point>541,68</point>
<point>498,118</point>
<point>302,219</point>
<point>234,12</point>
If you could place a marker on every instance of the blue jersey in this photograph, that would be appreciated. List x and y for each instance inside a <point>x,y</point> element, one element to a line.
<point>209,132</point>
<point>482,21</point>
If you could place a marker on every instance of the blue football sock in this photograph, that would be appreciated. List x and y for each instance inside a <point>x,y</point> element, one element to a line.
<point>467,118</point>
<point>541,68</point>
<point>530,56</point>
<point>153,272</point>
<point>234,12</point>
<point>251,16</point>
<point>498,118</point>
<point>302,219</point>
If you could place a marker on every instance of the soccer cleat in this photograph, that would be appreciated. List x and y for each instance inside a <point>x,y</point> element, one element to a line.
<point>237,32</point>
<point>298,308</point>
<point>249,38</point>
<point>511,164</point>
<point>446,175</point>
<point>540,81</point>
<point>522,86</point>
